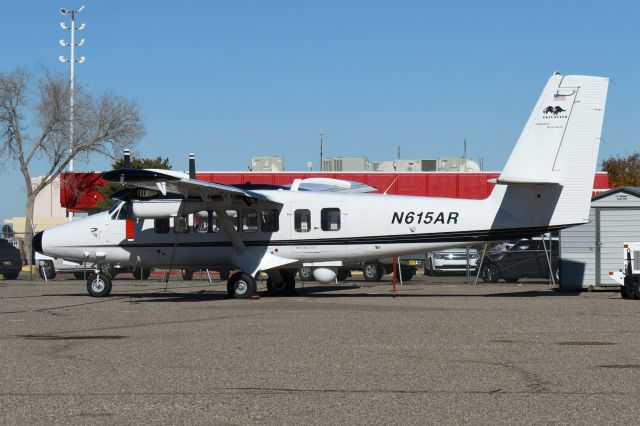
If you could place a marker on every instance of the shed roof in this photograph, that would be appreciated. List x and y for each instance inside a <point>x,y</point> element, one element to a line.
<point>621,197</point>
<point>631,190</point>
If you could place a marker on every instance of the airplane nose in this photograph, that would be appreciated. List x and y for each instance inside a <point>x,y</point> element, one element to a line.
<point>36,243</point>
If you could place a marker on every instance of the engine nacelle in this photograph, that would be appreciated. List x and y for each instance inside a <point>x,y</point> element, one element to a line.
<point>161,208</point>
<point>325,275</point>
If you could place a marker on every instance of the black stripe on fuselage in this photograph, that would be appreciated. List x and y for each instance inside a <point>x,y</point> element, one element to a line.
<point>440,237</point>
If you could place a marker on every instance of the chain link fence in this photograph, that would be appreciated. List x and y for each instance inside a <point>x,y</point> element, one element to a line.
<point>508,261</point>
<point>530,258</point>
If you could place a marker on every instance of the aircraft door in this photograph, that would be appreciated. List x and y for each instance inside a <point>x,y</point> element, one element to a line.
<point>318,227</point>
<point>115,227</point>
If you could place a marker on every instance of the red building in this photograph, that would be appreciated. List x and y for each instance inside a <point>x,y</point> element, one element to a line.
<point>78,190</point>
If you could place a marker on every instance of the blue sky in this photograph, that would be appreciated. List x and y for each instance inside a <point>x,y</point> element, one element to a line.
<point>232,79</point>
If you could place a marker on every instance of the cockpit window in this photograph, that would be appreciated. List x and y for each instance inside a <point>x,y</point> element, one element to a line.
<point>114,207</point>
<point>118,210</point>
<point>123,213</point>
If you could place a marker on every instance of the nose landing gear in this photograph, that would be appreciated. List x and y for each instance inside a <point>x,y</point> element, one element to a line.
<point>99,284</point>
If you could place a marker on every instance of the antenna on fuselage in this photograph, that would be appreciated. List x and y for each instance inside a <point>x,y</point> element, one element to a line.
<point>192,166</point>
<point>127,159</point>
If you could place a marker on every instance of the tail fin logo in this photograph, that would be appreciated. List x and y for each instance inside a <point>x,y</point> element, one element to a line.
<point>553,110</point>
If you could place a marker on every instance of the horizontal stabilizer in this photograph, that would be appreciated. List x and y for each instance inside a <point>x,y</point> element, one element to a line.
<point>517,181</point>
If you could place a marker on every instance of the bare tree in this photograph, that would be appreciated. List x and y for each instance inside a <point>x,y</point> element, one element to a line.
<point>34,124</point>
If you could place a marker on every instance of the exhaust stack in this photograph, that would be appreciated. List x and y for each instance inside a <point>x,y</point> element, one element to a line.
<point>127,159</point>
<point>192,166</point>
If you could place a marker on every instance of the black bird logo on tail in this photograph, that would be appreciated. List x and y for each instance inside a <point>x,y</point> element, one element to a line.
<point>553,110</point>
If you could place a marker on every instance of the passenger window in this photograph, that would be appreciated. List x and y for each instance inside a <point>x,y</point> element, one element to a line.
<point>302,220</point>
<point>330,219</point>
<point>249,220</point>
<point>181,225</point>
<point>269,220</point>
<point>161,226</point>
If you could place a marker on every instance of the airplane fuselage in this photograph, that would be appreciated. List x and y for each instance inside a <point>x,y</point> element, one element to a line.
<point>298,225</point>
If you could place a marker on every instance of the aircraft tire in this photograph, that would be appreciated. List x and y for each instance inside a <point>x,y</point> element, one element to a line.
<point>48,269</point>
<point>285,288</point>
<point>99,285</point>
<point>372,271</point>
<point>241,286</point>
<point>187,274</point>
<point>305,273</point>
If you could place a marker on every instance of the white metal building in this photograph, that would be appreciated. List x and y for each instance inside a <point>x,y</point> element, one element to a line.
<point>589,252</point>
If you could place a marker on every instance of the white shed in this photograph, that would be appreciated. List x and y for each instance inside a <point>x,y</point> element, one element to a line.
<point>588,252</point>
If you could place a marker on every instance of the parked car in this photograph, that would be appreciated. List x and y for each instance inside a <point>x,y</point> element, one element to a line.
<point>526,259</point>
<point>451,260</point>
<point>10,260</point>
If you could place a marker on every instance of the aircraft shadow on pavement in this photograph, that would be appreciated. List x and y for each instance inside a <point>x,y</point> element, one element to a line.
<point>319,291</point>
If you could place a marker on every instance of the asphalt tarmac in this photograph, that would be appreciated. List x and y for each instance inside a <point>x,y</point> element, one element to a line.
<point>440,352</point>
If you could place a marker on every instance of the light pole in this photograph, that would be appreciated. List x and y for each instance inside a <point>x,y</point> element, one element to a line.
<point>72,60</point>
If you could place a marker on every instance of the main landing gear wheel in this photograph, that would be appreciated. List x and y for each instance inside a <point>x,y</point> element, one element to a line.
<point>284,287</point>
<point>99,285</point>
<point>241,286</point>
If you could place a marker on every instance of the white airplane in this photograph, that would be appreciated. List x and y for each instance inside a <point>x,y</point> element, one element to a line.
<point>170,219</point>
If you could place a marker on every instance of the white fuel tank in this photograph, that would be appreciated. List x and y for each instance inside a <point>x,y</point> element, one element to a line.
<point>160,208</point>
<point>325,275</point>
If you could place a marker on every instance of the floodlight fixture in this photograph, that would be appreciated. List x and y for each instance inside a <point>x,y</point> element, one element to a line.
<point>72,60</point>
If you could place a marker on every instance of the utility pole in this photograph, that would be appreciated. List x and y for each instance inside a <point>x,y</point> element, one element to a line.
<point>321,168</point>
<point>464,164</point>
<point>72,60</point>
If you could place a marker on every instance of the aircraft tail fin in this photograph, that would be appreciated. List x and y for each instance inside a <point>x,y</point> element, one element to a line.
<point>559,146</point>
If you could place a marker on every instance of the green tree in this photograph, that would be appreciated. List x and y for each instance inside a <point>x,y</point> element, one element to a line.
<point>109,189</point>
<point>623,171</point>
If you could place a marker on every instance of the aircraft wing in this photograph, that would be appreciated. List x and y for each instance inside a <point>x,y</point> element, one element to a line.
<point>167,181</point>
<point>322,184</point>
